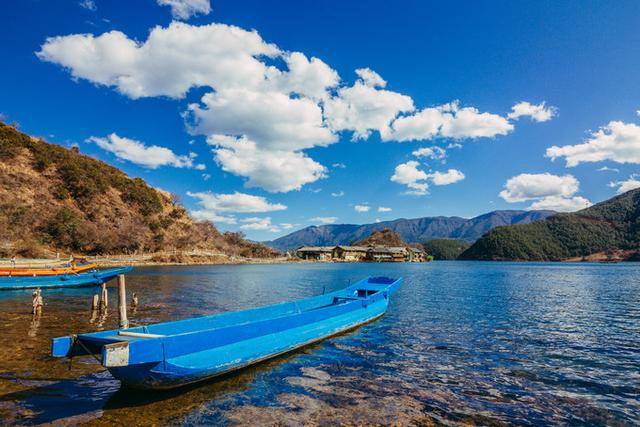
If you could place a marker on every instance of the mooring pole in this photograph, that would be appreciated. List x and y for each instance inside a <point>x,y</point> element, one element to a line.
<point>95,302</point>
<point>104,298</point>
<point>122,301</point>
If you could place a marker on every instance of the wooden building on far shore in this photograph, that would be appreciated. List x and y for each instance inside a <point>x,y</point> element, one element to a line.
<point>343,253</point>
<point>316,253</point>
<point>350,253</point>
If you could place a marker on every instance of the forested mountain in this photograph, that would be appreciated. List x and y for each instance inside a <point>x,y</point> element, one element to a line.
<point>56,199</point>
<point>607,227</point>
<point>445,249</point>
<point>416,230</point>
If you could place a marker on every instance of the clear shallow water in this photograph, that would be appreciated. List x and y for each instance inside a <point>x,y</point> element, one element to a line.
<point>483,343</point>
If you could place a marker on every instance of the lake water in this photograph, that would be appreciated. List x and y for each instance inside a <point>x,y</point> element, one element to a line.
<point>480,343</point>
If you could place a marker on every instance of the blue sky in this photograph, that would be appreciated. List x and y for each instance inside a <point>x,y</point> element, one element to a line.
<point>225,105</point>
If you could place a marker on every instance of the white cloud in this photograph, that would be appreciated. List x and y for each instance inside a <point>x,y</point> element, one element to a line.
<point>418,181</point>
<point>454,145</point>
<point>528,186</point>
<point>445,178</point>
<point>170,62</point>
<point>547,191</point>
<point>370,77</point>
<point>617,141</point>
<point>362,208</point>
<point>88,4</point>
<point>561,204</point>
<point>288,226</point>
<point>363,107</point>
<point>338,194</point>
<point>185,9</point>
<point>151,157</point>
<point>262,106</point>
<point>623,186</point>
<point>205,215</point>
<point>449,121</point>
<point>339,166</point>
<point>235,202</point>
<point>273,170</point>
<point>206,176</point>
<point>259,224</point>
<point>608,169</point>
<point>305,77</point>
<point>384,209</point>
<point>435,153</point>
<point>324,219</point>
<point>272,119</point>
<point>538,113</point>
<point>409,175</point>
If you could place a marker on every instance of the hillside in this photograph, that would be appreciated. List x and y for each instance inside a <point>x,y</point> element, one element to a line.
<point>609,226</point>
<point>56,199</point>
<point>445,249</point>
<point>415,230</point>
<point>384,237</point>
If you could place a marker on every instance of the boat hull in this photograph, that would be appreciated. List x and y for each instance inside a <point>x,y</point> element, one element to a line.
<point>179,373</point>
<point>173,354</point>
<point>92,278</point>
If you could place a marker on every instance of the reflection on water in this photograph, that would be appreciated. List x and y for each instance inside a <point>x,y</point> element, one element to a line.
<point>479,343</point>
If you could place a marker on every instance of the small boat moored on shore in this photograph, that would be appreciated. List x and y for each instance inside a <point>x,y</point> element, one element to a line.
<point>173,354</point>
<point>46,270</point>
<point>64,280</point>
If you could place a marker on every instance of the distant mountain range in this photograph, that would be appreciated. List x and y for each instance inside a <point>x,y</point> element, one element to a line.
<point>416,230</point>
<point>607,231</point>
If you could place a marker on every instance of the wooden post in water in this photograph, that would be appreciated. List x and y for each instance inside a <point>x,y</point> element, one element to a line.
<point>95,303</point>
<point>122,301</point>
<point>134,300</point>
<point>104,298</point>
<point>37,302</point>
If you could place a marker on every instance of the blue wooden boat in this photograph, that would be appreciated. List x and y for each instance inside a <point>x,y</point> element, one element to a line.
<point>89,278</point>
<point>173,354</point>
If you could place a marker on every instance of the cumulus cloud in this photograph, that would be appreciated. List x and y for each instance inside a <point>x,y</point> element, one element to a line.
<point>170,62</point>
<point>417,181</point>
<point>261,106</point>
<point>324,219</point>
<point>338,194</point>
<point>185,9</point>
<point>370,77</point>
<point>137,152</point>
<point>362,208</point>
<point>409,175</point>
<point>339,166</point>
<point>273,170</point>
<point>272,119</point>
<point>235,203</point>
<point>259,224</point>
<point>205,215</point>
<point>364,107</point>
<point>617,141</point>
<point>434,153</point>
<point>547,191</point>
<point>449,121</point>
<point>445,178</point>
<point>561,204</point>
<point>384,209</point>
<point>623,186</point>
<point>307,77</point>
<point>538,113</point>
